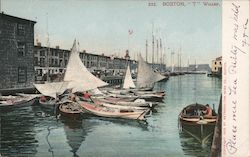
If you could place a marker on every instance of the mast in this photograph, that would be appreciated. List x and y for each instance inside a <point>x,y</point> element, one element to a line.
<point>48,51</point>
<point>153,44</point>
<point>157,52</point>
<point>161,55</point>
<point>146,50</point>
<point>180,59</point>
<point>172,60</point>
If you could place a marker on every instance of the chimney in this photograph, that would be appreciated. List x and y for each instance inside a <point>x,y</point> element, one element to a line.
<point>57,47</point>
<point>39,44</point>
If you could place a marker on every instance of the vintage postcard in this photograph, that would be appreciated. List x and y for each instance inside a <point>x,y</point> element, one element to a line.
<point>132,78</point>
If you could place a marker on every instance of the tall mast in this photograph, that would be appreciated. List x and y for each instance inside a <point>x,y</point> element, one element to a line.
<point>180,58</point>
<point>161,53</point>
<point>172,60</point>
<point>157,51</point>
<point>146,50</point>
<point>48,46</point>
<point>153,43</point>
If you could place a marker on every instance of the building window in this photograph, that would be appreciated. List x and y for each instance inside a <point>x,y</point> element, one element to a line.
<point>215,63</point>
<point>42,53</point>
<point>20,29</point>
<point>56,62</point>
<point>215,68</point>
<point>35,61</point>
<point>42,61</point>
<point>22,74</point>
<point>21,49</point>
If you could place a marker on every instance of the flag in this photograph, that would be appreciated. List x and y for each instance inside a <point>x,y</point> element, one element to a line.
<point>130,32</point>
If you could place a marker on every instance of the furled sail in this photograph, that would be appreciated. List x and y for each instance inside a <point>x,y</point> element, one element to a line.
<point>52,89</point>
<point>78,75</point>
<point>146,77</point>
<point>128,82</point>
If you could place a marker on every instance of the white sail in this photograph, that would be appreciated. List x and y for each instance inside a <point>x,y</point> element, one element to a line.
<point>128,82</point>
<point>52,89</point>
<point>78,75</point>
<point>146,77</point>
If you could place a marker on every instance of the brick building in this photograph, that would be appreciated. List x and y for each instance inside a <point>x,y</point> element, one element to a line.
<point>54,61</point>
<point>16,51</point>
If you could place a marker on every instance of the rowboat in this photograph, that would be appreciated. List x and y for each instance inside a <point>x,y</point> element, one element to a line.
<point>110,105</point>
<point>113,99</point>
<point>17,100</point>
<point>49,103</point>
<point>136,103</point>
<point>113,112</point>
<point>194,114</point>
<point>70,109</point>
<point>152,97</point>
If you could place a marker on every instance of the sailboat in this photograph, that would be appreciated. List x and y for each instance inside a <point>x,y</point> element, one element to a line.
<point>50,92</point>
<point>78,76</point>
<point>128,81</point>
<point>146,77</point>
<point>128,84</point>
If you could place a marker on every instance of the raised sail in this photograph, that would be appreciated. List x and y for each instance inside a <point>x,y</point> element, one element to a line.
<point>52,89</point>
<point>78,75</point>
<point>128,82</point>
<point>146,77</point>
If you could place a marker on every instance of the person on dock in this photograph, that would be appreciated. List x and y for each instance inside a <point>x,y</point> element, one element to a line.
<point>208,111</point>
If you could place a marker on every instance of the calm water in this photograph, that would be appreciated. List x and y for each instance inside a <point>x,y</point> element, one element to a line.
<point>31,131</point>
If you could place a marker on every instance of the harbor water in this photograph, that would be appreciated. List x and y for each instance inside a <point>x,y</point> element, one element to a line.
<point>33,131</point>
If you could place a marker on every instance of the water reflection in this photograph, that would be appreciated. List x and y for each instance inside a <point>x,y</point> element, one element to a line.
<point>17,131</point>
<point>75,131</point>
<point>196,139</point>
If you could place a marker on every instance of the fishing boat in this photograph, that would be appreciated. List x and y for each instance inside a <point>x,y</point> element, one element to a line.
<point>194,114</point>
<point>113,112</point>
<point>17,100</point>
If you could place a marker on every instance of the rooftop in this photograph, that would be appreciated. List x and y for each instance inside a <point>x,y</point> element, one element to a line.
<point>10,17</point>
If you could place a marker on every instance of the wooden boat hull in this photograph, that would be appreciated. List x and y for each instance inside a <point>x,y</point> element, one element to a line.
<point>113,113</point>
<point>70,109</point>
<point>48,104</point>
<point>98,102</point>
<point>197,119</point>
<point>152,98</point>
<point>19,103</point>
<point>119,99</point>
<point>124,103</point>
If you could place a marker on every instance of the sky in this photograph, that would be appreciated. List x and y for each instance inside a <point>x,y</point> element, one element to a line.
<point>103,26</point>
